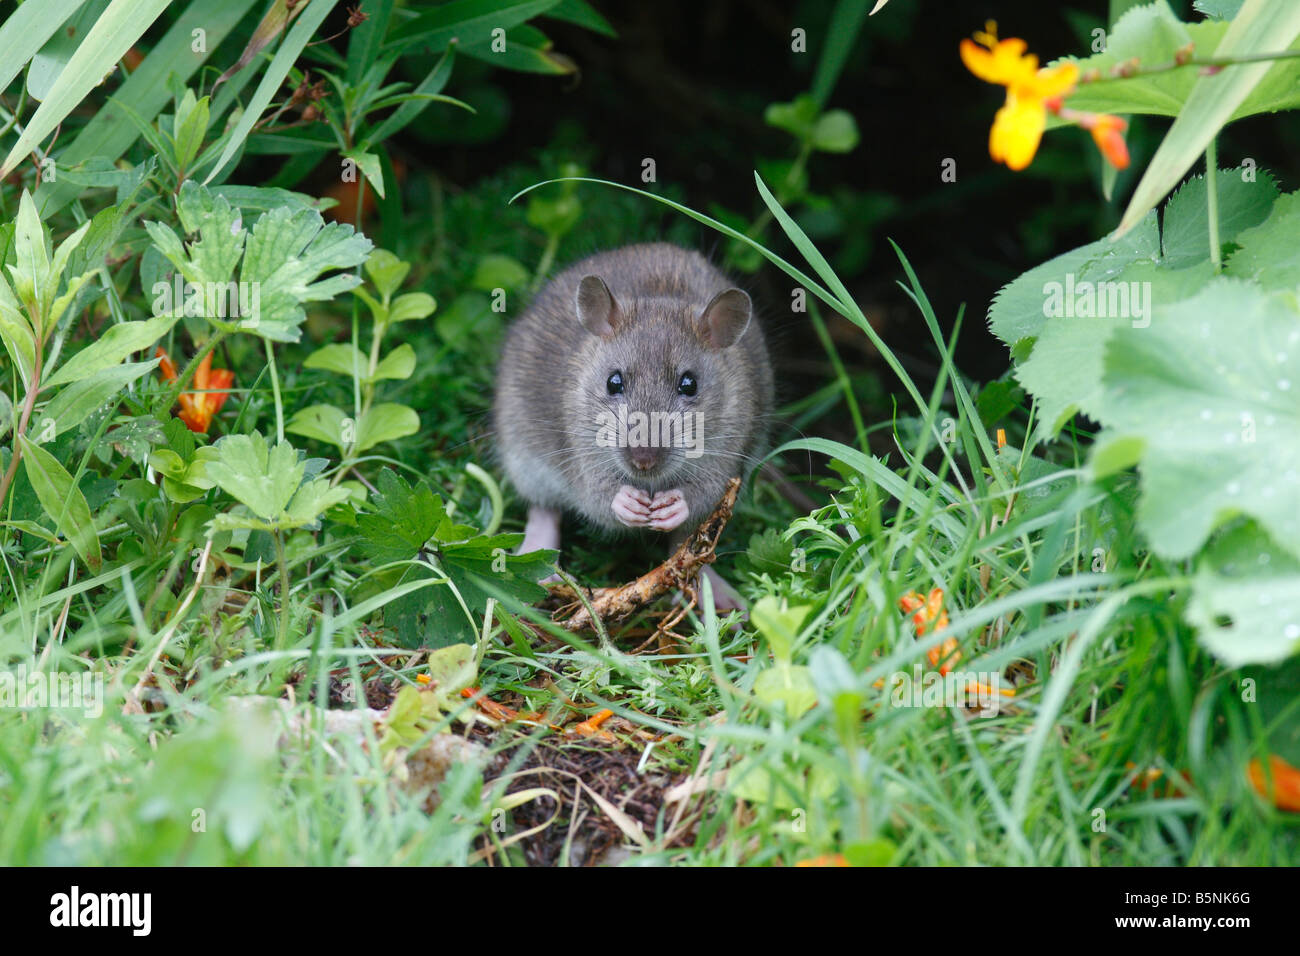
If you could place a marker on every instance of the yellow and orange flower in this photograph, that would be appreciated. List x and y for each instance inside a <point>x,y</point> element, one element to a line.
<point>1032,92</point>
<point>198,407</point>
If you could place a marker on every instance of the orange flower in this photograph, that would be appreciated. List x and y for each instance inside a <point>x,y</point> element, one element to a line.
<point>1284,793</point>
<point>1018,126</point>
<point>197,408</point>
<point>1108,133</point>
<point>1031,94</point>
<point>929,610</point>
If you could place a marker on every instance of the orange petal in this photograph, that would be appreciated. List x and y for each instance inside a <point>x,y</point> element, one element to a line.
<point>1284,792</point>
<point>1108,134</point>
<point>166,366</point>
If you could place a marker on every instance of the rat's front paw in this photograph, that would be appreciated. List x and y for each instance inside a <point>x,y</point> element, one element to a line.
<point>668,510</point>
<point>632,507</point>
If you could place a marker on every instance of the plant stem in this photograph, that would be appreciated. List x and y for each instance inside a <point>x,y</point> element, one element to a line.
<point>1220,62</point>
<point>275,390</point>
<point>282,635</point>
<point>544,266</point>
<point>1212,201</point>
<point>20,428</point>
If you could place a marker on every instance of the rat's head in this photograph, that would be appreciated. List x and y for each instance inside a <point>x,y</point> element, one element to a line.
<point>659,378</point>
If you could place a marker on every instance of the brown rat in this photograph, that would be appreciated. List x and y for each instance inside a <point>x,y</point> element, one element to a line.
<point>634,385</point>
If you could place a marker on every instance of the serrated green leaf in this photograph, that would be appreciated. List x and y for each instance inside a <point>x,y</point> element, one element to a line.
<point>402,520</point>
<point>260,477</point>
<point>1267,253</point>
<point>1185,227</point>
<point>1019,310</point>
<point>1211,388</point>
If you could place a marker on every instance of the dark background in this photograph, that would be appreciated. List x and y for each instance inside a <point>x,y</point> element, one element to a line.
<point>687,83</point>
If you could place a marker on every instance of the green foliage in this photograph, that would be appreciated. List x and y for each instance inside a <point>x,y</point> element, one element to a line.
<point>283,256</point>
<point>407,522</point>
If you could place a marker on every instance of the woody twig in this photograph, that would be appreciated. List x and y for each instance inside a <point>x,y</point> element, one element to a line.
<point>677,573</point>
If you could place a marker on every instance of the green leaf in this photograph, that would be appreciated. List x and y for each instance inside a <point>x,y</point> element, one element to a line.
<point>286,251</point>
<point>468,21</point>
<point>495,271</point>
<point>1245,603</point>
<point>1267,252</point>
<point>386,271</point>
<point>399,364</point>
<point>1218,9</point>
<point>779,624</point>
<point>1019,310</point>
<point>412,305</point>
<point>385,422</point>
<point>1211,387</point>
<point>1064,372</point>
<point>452,669</point>
<point>403,519</point>
<point>110,349</point>
<point>115,32</point>
<point>27,29</point>
<point>1185,228</point>
<point>16,332</point>
<point>343,358</point>
<point>288,52</point>
<point>262,478</point>
<point>145,91</point>
<point>1261,27</point>
<point>189,128</point>
<point>796,117</point>
<point>62,501</point>
<point>835,132</point>
<point>73,404</point>
<point>368,163</point>
<point>787,684</point>
<point>324,423</point>
<point>51,59</point>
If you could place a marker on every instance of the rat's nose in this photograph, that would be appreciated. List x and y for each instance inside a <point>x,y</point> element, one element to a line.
<point>644,457</point>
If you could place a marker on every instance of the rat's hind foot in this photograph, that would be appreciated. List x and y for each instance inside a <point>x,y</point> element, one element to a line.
<point>668,510</point>
<point>542,532</point>
<point>725,597</point>
<point>632,507</point>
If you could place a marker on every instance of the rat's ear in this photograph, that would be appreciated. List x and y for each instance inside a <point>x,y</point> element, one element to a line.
<point>597,310</point>
<point>725,319</point>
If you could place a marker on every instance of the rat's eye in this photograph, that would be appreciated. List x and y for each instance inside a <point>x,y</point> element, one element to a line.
<point>686,385</point>
<point>614,385</point>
